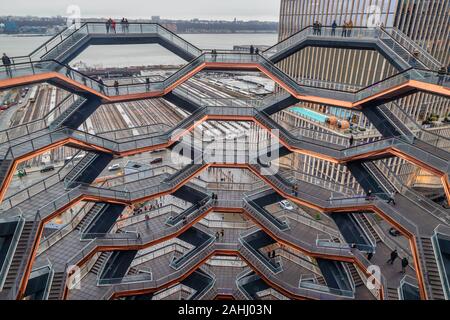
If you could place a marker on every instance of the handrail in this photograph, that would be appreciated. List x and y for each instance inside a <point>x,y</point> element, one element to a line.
<point>240,286</point>
<point>274,266</point>
<point>76,171</point>
<point>443,231</point>
<point>300,175</point>
<point>13,293</point>
<point>305,283</point>
<point>174,220</point>
<point>415,197</point>
<point>72,30</point>
<point>12,248</point>
<point>248,57</point>
<point>136,219</point>
<point>47,183</point>
<point>279,224</point>
<point>157,283</point>
<point>309,221</point>
<point>19,128</point>
<point>179,262</point>
<point>414,126</point>
<point>431,61</point>
<point>144,277</point>
<point>76,218</point>
<point>274,278</point>
<point>392,33</point>
<point>59,34</point>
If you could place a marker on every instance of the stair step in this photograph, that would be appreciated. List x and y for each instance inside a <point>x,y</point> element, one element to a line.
<point>19,254</point>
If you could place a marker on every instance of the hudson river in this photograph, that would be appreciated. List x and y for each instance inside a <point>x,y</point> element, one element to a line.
<point>136,55</point>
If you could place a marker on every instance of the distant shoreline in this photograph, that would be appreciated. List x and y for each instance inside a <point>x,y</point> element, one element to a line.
<point>20,35</point>
<point>219,32</point>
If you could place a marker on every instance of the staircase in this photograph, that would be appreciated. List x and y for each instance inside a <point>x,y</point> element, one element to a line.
<point>57,286</point>
<point>432,271</point>
<point>78,170</point>
<point>409,45</point>
<point>89,217</point>
<point>379,177</point>
<point>392,294</point>
<point>187,171</point>
<point>5,164</point>
<point>61,48</point>
<point>19,254</point>
<point>104,256</point>
<point>401,52</point>
<point>321,280</point>
<point>368,226</point>
<point>395,121</point>
<point>277,102</point>
<point>133,271</point>
<point>258,211</point>
<point>355,275</point>
<point>67,113</point>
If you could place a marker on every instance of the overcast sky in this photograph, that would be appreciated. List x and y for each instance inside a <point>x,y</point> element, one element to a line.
<point>175,9</point>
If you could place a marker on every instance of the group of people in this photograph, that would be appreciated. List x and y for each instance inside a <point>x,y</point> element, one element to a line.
<point>150,207</point>
<point>220,234</point>
<point>101,85</point>
<point>111,25</point>
<point>394,256</point>
<point>347,28</point>
<point>254,50</point>
<point>144,209</point>
<point>125,25</point>
<point>317,28</point>
<point>214,198</point>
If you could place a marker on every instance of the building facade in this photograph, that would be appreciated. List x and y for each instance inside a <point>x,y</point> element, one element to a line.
<point>426,22</point>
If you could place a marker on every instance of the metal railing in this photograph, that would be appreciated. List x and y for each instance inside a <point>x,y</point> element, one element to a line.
<point>415,197</point>
<point>179,262</point>
<point>11,250</point>
<point>35,126</point>
<point>79,168</point>
<point>442,232</point>
<point>272,265</point>
<point>76,218</point>
<point>23,195</point>
<point>254,208</point>
<point>354,32</point>
<point>14,291</point>
<point>424,56</point>
<point>154,284</point>
<point>144,277</point>
<point>400,44</point>
<point>406,280</point>
<point>46,66</point>
<point>307,284</point>
<point>70,36</point>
